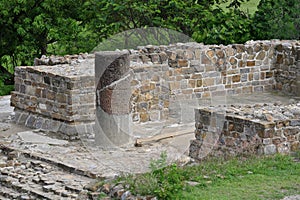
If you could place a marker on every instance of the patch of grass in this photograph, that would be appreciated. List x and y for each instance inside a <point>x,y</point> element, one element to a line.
<point>248,6</point>
<point>270,177</point>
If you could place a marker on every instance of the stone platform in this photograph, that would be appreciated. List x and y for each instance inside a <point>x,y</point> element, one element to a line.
<point>58,98</point>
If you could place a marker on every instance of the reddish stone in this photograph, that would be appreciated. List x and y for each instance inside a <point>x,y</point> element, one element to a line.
<point>295,146</point>
<point>231,127</point>
<point>236,78</point>
<point>250,63</point>
<point>144,117</point>
<point>205,60</point>
<point>230,142</point>
<point>192,83</point>
<point>208,82</point>
<point>182,63</point>
<point>262,75</point>
<point>220,53</point>
<point>269,74</point>
<point>279,59</point>
<point>232,61</point>
<point>196,76</point>
<point>250,76</point>
<point>210,53</point>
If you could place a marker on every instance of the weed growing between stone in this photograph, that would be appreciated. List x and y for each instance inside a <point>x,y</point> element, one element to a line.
<point>162,181</point>
<point>266,177</point>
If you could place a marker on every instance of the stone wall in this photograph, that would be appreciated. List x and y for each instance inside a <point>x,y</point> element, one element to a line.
<point>254,129</point>
<point>287,67</point>
<point>167,77</point>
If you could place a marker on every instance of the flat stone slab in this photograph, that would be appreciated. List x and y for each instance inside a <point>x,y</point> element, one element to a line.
<point>5,104</point>
<point>31,137</point>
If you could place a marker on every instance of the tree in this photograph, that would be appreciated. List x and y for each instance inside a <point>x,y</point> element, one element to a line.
<point>202,20</point>
<point>277,19</point>
<point>28,27</point>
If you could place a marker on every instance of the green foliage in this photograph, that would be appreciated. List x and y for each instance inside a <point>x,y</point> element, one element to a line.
<point>277,19</point>
<point>5,89</point>
<point>222,27</point>
<point>163,181</point>
<point>28,27</point>
<point>249,7</point>
<point>196,19</point>
<point>141,37</point>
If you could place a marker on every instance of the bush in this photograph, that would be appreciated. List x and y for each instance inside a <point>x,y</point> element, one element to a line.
<point>220,27</point>
<point>277,19</point>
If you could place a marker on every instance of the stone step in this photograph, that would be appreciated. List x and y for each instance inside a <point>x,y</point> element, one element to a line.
<point>28,178</point>
<point>63,166</point>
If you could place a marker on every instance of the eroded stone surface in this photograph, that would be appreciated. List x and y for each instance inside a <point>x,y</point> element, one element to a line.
<point>35,138</point>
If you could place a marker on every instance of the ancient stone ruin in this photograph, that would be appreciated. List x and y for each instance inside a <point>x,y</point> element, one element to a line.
<point>68,95</point>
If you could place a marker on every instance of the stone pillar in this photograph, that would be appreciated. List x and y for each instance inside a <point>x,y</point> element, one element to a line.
<point>113,91</point>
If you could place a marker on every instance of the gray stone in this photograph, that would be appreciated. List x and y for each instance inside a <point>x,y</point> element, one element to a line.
<point>34,138</point>
<point>270,149</point>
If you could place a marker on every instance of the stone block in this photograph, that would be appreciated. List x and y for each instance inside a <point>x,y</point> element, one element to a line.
<point>208,82</point>
<point>260,55</point>
<point>250,63</point>
<point>205,60</point>
<point>270,149</point>
<point>236,78</point>
<point>182,63</point>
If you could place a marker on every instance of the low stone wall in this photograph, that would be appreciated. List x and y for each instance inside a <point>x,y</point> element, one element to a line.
<point>254,129</point>
<point>167,78</point>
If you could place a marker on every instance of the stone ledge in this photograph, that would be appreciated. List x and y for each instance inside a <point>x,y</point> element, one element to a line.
<point>66,130</point>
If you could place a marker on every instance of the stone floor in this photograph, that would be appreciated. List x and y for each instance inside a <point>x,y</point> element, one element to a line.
<point>59,169</point>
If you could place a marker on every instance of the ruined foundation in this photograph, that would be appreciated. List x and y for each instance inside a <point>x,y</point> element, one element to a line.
<point>152,83</point>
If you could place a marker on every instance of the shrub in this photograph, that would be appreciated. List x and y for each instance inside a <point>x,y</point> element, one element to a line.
<point>277,19</point>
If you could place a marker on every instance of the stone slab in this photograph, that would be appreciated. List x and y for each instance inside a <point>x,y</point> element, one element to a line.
<point>31,137</point>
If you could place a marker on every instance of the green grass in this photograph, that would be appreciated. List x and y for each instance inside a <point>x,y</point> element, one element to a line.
<point>257,186</point>
<point>247,6</point>
<point>270,177</point>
